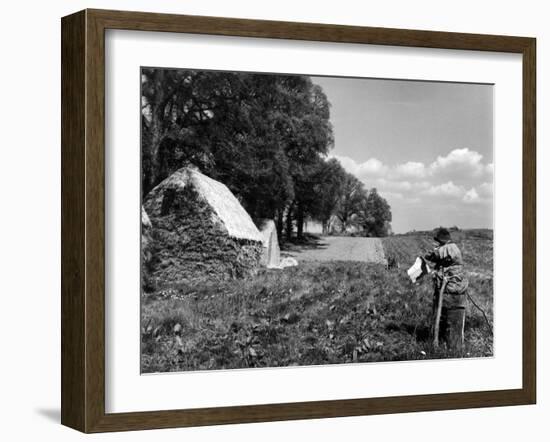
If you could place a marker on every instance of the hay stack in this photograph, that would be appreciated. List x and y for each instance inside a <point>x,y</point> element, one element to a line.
<point>200,230</point>
<point>271,252</point>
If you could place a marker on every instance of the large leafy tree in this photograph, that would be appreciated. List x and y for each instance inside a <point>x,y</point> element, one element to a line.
<point>184,113</point>
<point>329,190</point>
<point>374,215</point>
<point>351,197</point>
<point>262,135</point>
<point>309,140</point>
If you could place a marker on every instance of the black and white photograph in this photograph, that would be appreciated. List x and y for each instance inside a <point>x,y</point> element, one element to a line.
<point>300,220</point>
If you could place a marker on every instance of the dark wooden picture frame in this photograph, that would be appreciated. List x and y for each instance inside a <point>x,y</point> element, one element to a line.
<point>83,220</point>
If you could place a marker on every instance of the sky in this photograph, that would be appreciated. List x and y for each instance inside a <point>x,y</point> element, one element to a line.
<point>426,146</point>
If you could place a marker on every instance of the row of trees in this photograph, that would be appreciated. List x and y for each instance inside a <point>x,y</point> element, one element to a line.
<point>265,136</point>
<point>346,204</point>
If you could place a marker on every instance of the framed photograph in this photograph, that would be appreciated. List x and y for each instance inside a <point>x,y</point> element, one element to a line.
<point>267,221</point>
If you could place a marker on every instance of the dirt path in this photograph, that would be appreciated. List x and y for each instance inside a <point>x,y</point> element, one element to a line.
<point>342,248</point>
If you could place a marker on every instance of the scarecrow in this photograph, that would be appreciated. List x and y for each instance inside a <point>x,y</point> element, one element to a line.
<point>450,291</point>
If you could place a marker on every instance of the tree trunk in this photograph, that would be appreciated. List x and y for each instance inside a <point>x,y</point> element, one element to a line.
<point>157,131</point>
<point>325,226</point>
<point>343,224</point>
<point>280,224</point>
<point>300,222</point>
<point>154,165</point>
<point>289,223</point>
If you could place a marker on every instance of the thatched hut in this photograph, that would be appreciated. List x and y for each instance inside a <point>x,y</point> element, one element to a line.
<point>271,252</point>
<point>200,230</point>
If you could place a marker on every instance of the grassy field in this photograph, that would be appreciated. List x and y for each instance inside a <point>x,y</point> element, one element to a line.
<point>316,313</point>
<point>476,246</point>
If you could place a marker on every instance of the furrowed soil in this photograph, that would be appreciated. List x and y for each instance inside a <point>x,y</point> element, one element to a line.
<point>321,312</point>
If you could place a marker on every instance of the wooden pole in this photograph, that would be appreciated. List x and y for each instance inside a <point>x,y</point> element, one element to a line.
<point>438,312</point>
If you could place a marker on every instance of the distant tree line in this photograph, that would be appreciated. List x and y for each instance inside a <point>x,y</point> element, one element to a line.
<point>266,137</point>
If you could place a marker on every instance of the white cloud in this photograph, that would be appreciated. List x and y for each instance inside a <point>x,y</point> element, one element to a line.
<point>486,190</point>
<point>446,189</point>
<point>384,183</point>
<point>460,177</point>
<point>347,163</point>
<point>458,156</point>
<point>460,165</point>
<point>471,196</point>
<point>397,185</point>
<point>370,168</point>
<point>410,169</point>
<point>398,197</point>
<point>481,194</point>
<point>392,195</point>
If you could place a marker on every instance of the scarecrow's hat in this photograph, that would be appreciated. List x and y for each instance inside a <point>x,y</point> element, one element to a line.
<point>442,235</point>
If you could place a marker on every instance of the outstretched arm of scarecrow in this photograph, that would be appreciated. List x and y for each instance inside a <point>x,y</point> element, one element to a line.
<point>432,256</point>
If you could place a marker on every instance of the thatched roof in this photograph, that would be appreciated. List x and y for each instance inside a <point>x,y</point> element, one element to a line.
<point>227,207</point>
